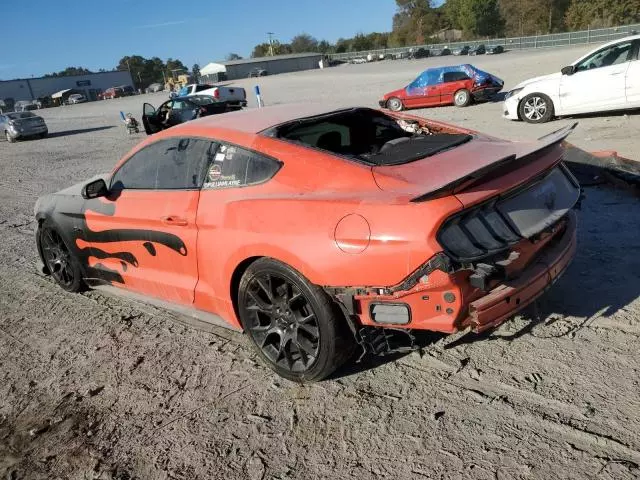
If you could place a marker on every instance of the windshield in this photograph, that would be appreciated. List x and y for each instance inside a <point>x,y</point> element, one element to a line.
<point>19,115</point>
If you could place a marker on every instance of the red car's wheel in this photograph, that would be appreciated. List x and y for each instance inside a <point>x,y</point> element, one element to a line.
<point>292,323</point>
<point>395,104</point>
<point>462,98</point>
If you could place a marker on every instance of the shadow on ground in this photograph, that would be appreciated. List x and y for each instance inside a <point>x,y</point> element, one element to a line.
<point>67,133</point>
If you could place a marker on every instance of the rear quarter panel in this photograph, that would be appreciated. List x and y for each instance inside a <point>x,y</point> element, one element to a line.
<point>293,218</point>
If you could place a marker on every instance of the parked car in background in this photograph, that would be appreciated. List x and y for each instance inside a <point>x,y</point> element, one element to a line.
<point>154,87</point>
<point>183,109</point>
<point>76,98</point>
<point>127,90</point>
<point>26,105</point>
<point>462,50</point>
<point>495,49</point>
<point>258,72</point>
<point>416,226</point>
<point>18,125</point>
<point>419,53</point>
<point>231,95</point>
<point>111,93</point>
<point>443,52</point>
<point>478,50</point>
<point>606,78</point>
<point>458,85</point>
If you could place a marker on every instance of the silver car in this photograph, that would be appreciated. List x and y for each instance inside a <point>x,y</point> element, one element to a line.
<point>76,98</point>
<point>16,125</point>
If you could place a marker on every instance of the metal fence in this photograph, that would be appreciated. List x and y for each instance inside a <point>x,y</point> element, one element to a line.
<point>515,43</point>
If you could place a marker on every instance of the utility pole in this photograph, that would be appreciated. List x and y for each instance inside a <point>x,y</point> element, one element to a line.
<point>271,34</point>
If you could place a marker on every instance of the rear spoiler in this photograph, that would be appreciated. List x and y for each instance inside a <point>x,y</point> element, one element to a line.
<point>511,162</point>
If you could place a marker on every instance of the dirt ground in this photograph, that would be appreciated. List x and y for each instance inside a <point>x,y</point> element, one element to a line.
<point>97,387</point>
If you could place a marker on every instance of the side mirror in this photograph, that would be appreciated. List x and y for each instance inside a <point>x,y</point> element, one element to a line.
<point>95,189</point>
<point>569,70</point>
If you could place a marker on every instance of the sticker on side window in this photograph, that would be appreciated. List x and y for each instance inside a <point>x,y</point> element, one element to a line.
<point>215,179</point>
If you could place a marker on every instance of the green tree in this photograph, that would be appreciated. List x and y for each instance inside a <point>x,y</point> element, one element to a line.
<point>325,47</point>
<point>414,23</point>
<point>69,71</point>
<point>530,17</point>
<point>481,18</point>
<point>602,13</point>
<point>233,56</point>
<point>303,43</point>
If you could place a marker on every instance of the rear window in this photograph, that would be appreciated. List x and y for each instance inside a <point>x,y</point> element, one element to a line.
<point>200,88</point>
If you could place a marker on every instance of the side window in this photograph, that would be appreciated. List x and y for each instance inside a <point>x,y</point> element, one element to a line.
<point>448,77</point>
<point>232,166</point>
<point>200,88</point>
<point>172,164</point>
<point>613,55</point>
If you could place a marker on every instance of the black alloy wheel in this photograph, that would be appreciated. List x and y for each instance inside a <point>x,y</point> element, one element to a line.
<point>59,261</point>
<point>292,323</point>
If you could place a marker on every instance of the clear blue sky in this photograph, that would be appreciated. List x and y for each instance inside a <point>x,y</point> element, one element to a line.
<point>42,36</point>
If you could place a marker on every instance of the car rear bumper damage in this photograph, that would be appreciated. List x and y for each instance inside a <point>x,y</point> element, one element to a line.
<point>440,298</point>
<point>512,296</point>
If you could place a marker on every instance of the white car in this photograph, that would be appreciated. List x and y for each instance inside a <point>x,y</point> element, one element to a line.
<point>607,78</point>
<point>231,95</point>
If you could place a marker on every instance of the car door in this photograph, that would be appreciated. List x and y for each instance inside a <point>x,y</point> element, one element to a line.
<point>451,83</point>
<point>598,81</point>
<point>143,234</point>
<point>182,111</point>
<point>150,118</point>
<point>231,171</point>
<point>632,78</point>
<point>424,91</point>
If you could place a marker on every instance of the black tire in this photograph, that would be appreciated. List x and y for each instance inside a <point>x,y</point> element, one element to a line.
<point>44,134</point>
<point>395,104</point>
<point>462,98</point>
<point>536,108</point>
<point>63,267</point>
<point>8,136</point>
<point>294,326</point>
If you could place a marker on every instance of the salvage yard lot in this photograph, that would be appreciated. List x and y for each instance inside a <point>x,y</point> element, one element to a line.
<point>93,386</point>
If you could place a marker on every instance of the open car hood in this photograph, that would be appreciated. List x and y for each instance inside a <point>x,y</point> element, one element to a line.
<point>449,171</point>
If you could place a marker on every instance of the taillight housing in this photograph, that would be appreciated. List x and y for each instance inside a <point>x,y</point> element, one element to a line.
<point>216,93</point>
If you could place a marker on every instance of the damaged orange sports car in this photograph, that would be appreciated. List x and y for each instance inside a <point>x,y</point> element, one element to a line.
<point>315,232</point>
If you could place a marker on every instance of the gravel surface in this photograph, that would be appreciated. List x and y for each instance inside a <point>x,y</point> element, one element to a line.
<point>93,386</point>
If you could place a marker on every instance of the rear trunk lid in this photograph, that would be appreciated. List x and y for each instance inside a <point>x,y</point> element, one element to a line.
<point>475,170</point>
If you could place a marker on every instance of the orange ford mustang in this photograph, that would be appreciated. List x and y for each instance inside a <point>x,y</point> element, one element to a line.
<point>316,231</point>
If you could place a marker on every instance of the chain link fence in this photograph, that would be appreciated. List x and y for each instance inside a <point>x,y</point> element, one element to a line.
<point>600,35</point>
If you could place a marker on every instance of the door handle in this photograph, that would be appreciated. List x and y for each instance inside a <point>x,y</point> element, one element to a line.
<point>175,221</point>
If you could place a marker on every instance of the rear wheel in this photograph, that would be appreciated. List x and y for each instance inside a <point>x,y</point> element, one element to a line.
<point>395,104</point>
<point>536,108</point>
<point>462,98</point>
<point>292,324</point>
<point>62,265</point>
<point>44,134</point>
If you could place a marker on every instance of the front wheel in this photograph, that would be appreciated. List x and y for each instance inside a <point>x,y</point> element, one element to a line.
<point>60,262</point>
<point>292,324</point>
<point>8,136</point>
<point>395,104</point>
<point>462,98</point>
<point>536,108</point>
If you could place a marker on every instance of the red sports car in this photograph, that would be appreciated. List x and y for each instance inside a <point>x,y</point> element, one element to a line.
<point>316,231</point>
<point>455,85</point>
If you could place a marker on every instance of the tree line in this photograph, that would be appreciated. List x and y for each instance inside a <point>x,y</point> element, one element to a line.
<point>417,22</point>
